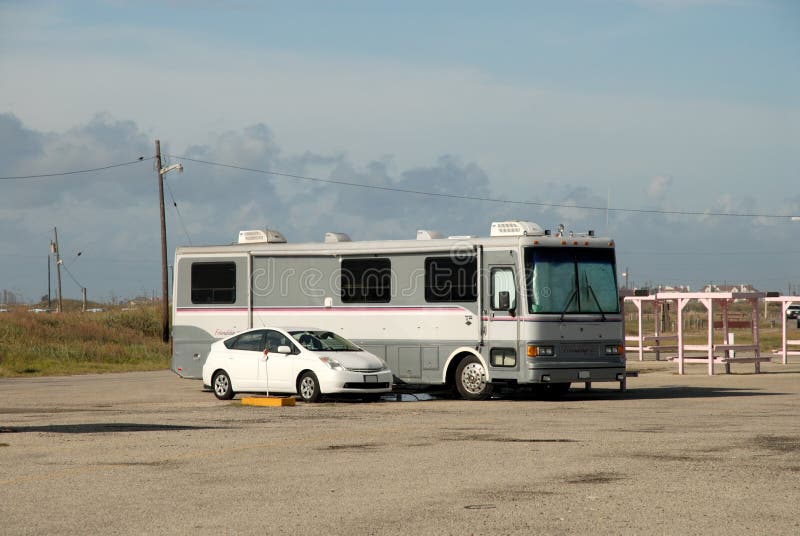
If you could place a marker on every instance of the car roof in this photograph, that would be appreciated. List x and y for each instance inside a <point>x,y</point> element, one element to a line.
<point>279,328</point>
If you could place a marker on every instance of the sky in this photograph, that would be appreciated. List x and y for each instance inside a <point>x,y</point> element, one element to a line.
<point>654,105</point>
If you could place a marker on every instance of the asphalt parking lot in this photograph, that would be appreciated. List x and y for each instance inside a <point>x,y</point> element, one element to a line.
<point>149,453</point>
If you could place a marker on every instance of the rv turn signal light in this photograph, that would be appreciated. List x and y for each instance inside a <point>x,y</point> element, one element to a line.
<point>540,351</point>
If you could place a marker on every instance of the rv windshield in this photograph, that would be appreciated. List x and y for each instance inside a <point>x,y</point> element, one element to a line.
<point>324,340</point>
<point>570,280</point>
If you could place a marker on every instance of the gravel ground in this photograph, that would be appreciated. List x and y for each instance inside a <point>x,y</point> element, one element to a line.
<point>149,453</point>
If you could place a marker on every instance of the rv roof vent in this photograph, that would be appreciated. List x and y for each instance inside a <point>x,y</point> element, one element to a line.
<point>461,237</point>
<point>515,228</point>
<point>332,238</point>
<point>424,234</point>
<point>258,236</point>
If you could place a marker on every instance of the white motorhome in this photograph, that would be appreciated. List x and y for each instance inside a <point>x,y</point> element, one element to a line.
<point>524,306</point>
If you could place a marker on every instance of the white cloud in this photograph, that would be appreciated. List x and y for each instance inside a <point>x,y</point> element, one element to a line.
<point>659,185</point>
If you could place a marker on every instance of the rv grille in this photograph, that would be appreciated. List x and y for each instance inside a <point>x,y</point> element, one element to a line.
<point>583,349</point>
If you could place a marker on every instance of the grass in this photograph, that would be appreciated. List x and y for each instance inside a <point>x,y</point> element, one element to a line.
<point>48,344</point>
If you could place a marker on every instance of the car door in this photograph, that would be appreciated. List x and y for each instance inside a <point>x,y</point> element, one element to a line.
<point>244,359</point>
<point>277,372</point>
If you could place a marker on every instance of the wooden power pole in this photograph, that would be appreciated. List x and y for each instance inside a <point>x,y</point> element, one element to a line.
<point>164,276</point>
<point>54,247</point>
<point>49,292</point>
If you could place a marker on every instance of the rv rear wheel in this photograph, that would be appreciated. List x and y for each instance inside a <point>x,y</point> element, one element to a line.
<point>471,379</point>
<point>222,386</point>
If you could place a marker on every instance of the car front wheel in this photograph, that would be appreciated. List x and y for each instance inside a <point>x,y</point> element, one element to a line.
<point>308,387</point>
<point>222,386</point>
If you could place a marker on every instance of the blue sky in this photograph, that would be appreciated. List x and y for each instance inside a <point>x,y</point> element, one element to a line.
<point>671,105</point>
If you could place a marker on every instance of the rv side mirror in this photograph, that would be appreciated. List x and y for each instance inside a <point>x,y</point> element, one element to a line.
<point>504,300</point>
<point>284,349</point>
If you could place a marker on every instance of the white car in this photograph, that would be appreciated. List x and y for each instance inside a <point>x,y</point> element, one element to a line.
<point>304,361</point>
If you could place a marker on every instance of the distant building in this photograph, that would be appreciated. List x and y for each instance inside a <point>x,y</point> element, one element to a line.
<point>9,298</point>
<point>744,287</point>
<point>675,288</point>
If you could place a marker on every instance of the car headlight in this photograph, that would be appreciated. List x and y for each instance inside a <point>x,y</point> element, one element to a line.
<point>614,349</point>
<point>332,363</point>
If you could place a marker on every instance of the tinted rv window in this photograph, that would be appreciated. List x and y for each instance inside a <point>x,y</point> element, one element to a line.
<point>451,279</point>
<point>213,282</point>
<point>366,280</point>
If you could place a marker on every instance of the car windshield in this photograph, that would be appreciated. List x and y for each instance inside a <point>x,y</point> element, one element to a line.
<point>323,340</point>
<point>570,280</point>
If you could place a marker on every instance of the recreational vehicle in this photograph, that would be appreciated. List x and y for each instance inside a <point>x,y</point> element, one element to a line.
<point>522,307</point>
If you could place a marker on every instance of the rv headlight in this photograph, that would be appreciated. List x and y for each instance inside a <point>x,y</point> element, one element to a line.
<point>332,363</point>
<point>541,351</point>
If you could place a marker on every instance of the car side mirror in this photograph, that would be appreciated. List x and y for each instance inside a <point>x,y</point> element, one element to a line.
<point>283,349</point>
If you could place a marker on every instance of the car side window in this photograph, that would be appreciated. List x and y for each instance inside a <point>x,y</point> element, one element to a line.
<point>250,341</point>
<point>276,339</point>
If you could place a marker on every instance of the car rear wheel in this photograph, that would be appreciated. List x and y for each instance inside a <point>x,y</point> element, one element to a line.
<point>308,387</point>
<point>471,379</point>
<point>222,386</point>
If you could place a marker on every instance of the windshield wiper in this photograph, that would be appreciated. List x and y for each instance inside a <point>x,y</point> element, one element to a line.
<point>569,301</point>
<point>599,307</point>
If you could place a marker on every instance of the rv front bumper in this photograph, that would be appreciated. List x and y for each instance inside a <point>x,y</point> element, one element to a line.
<point>574,374</point>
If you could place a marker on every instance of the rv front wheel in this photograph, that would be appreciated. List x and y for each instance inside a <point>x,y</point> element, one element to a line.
<point>222,386</point>
<point>471,379</point>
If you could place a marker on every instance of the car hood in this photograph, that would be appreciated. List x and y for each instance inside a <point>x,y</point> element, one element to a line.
<point>355,360</point>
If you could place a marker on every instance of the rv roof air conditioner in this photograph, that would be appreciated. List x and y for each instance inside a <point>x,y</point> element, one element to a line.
<point>332,238</point>
<point>259,236</point>
<point>515,228</point>
<point>424,234</point>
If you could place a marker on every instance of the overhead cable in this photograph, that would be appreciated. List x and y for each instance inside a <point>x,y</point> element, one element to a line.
<point>77,171</point>
<point>476,198</point>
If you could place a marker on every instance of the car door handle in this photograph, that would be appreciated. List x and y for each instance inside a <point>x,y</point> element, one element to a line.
<point>196,356</point>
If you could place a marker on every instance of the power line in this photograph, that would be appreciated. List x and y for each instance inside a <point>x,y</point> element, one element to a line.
<point>77,171</point>
<point>72,277</point>
<point>180,218</point>
<point>475,198</point>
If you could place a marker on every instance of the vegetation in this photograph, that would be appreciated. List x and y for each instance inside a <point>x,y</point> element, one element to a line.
<point>44,344</point>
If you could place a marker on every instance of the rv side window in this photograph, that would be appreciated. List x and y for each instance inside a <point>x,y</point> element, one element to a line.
<point>213,282</point>
<point>366,280</point>
<point>451,279</point>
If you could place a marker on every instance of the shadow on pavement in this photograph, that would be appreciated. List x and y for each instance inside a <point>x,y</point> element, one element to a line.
<point>651,393</point>
<point>102,428</point>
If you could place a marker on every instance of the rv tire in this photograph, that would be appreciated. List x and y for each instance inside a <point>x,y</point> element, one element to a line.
<point>471,379</point>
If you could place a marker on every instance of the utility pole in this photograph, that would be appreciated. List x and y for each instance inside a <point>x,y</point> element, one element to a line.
<point>164,283</point>
<point>54,248</point>
<point>83,290</point>
<point>48,283</point>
